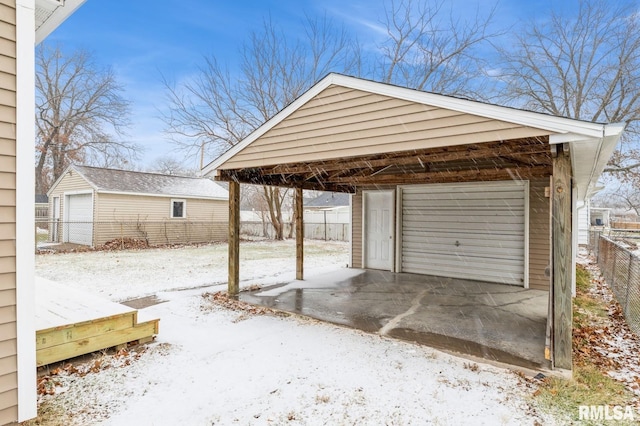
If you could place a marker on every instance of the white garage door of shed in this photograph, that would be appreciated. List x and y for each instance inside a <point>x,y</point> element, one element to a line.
<point>79,228</point>
<point>472,231</point>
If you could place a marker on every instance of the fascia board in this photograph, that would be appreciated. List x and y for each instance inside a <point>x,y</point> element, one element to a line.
<point>57,17</point>
<point>143,194</point>
<point>71,167</point>
<point>273,121</point>
<point>573,129</point>
<point>606,146</point>
<point>497,112</point>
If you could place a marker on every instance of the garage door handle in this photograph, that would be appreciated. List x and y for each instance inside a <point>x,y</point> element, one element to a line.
<point>457,243</point>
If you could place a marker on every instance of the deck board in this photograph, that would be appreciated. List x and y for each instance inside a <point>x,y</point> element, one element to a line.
<point>72,322</point>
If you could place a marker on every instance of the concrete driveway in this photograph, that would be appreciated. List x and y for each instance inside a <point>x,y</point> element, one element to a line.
<point>497,322</point>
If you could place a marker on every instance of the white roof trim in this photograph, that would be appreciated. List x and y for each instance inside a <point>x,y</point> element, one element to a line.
<point>573,129</point>
<point>71,167</point>
<point>59,15</point>
<point>144,194</point>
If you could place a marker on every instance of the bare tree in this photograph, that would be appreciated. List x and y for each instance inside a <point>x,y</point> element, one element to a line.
<point>170,166</point>
<point>583,67</point>
<point>623,198</point>
<point>425,48</point>
<point>80,113</point>
<point>428,48</point>
<point>214,111</point>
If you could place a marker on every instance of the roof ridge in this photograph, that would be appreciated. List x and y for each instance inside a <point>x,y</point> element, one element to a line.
<point>138,172</point>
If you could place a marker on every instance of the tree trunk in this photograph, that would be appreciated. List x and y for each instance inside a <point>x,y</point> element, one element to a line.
<point>41,185</point>
<point>272,196</point>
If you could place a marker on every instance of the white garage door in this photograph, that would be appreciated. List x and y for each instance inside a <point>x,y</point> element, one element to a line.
<point>79,215</point>
<point>473,231</point>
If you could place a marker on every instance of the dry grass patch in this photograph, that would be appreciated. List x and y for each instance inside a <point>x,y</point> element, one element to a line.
<point>591,383</point>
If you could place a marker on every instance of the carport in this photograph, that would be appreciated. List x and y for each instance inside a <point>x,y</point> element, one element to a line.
<point>441,187</point>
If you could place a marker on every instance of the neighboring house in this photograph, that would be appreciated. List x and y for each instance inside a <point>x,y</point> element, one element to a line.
<point>91,206</point>
<point>439,185</point>
<point>590,217</point>
<point>328,201</point>
<point>600,217</point>
<point>23,23</point>
<point>327,217</point>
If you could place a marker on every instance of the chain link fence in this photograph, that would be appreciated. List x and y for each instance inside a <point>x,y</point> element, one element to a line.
<point>620,266</point>
<point>52,234</point>
<point>60,235</point>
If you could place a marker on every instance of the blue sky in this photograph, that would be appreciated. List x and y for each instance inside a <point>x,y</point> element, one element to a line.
<point>142,40</point>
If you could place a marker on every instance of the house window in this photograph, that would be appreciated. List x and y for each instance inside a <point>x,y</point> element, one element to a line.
<point>178,208</point>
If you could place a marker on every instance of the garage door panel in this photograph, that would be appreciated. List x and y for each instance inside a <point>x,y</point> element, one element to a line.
<point>79,227</point>
<point>465,231</point>
<point>449,241</point>
<point>488,253</point>
<point>492,191</point>
<point>444,217</point>
<point>464,258</point>
<point>472,265</point>
<point>507,271</point>
<point>479,276</point>
<point>477,228</point>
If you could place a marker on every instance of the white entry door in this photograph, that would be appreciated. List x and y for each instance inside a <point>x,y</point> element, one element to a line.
<point>378,229</point>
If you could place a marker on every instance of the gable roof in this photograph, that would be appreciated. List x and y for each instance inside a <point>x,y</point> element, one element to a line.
<point>591,143</point>
<point>155,184</point>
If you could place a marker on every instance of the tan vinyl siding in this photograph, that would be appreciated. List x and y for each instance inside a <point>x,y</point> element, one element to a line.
<point>139,216</point>
<point>539,234</point>
<point>341,122</point>
<point>8,329</point>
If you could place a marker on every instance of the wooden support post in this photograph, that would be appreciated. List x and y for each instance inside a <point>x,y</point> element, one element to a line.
<point>299,210</point>
<point>234,238</point>
<point>562,260</point>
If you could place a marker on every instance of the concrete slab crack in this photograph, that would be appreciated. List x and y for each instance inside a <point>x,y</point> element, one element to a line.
<point>415,304</point>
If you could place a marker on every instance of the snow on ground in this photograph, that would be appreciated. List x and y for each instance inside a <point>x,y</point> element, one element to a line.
<point>210,365</point>
<point>128,274</point>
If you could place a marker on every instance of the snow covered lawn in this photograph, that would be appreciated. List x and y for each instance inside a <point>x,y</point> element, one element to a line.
<point>128,274</point>
<point>211,365</point>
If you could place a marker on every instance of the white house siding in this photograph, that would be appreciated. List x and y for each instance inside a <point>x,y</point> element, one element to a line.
<point>356,230</point>
<point>340,122</point>
<point>583,224</point>
<point>149,217</point>
<point>8,328</point>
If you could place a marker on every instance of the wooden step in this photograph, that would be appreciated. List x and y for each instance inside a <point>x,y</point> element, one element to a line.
<point>71,348</point>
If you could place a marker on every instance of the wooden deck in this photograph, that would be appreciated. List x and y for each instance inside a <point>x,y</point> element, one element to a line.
<point>71,322</point>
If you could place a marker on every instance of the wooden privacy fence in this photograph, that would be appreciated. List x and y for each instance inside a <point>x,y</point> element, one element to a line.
<point>625,225</point>
<point>620,267</point>
<point>312,231</point>
<point>328,225</point>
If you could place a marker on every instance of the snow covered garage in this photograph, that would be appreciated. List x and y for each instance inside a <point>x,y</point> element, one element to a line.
<point>440,186</point>
<point>92,206</point>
